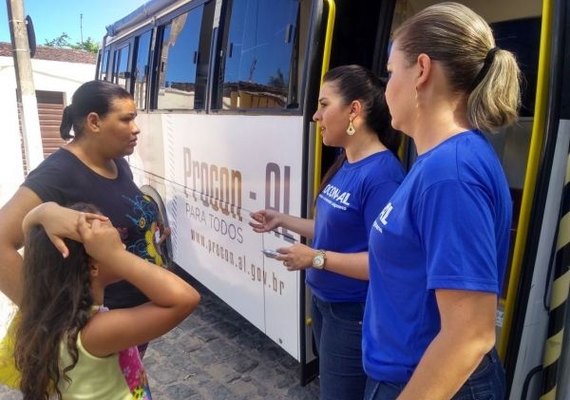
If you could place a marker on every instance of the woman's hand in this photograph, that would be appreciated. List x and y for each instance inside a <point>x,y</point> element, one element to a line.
<point>296,257</point>
<point>59,223</point>
<point>265,220</point>
<point>164,232</point>
<point>100,238</point>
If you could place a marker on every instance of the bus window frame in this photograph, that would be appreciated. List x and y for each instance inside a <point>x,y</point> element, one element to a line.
<point>118,44</point>
<point>156,46</point>
<point>116,49</point>
<point>136,39</point>
<point>217,78</point>
<point>103,61</point>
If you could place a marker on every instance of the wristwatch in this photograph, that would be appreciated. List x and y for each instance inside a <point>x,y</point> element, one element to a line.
<point>319,259</point>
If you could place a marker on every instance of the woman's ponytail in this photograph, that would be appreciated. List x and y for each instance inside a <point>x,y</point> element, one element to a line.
<point>495,101</point>
<point>463,43</point>
<point>66,123</point>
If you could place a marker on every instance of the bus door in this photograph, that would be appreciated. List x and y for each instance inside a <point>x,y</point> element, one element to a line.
<point>336,40</point>
<point>536,359</point>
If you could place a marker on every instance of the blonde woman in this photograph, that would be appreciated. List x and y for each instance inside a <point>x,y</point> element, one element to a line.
<point>439,248</point>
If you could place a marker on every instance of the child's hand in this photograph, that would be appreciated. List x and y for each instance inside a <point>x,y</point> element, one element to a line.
<point>100,238</point>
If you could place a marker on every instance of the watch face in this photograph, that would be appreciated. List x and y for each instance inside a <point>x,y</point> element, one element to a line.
<point>318,261</point>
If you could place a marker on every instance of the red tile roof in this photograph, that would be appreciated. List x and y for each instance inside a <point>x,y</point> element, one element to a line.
<point>54,54</point>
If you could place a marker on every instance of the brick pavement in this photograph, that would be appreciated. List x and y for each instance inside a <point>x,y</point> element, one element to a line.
<point>215,354</point>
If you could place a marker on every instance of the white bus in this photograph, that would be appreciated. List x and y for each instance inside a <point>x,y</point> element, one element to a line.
<point>226,90</point>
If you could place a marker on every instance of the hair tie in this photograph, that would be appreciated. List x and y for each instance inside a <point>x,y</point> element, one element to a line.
<point>489,58</point>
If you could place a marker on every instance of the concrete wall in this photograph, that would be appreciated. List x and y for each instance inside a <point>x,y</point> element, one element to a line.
<point>48,75</point>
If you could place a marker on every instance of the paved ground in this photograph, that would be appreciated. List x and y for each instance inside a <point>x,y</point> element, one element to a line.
<point>216,355</point>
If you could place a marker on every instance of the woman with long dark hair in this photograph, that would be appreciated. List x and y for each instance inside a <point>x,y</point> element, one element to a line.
<point>354,117</point>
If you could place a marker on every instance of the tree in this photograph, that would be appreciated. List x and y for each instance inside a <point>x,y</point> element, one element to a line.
<point>88,45</point>
<point>62,41</point>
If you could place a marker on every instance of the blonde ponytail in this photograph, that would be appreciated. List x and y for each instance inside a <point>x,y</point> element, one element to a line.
<point>495,101</point>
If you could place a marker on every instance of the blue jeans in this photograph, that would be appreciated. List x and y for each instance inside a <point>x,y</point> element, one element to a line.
<point>486,383</point>
<point>337,329</point>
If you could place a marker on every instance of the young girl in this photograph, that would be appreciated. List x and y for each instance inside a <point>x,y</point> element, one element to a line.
<point>67,343</point>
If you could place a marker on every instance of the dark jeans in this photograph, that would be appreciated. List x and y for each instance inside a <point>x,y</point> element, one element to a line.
<point>337,328</point>
<point>486,383</point>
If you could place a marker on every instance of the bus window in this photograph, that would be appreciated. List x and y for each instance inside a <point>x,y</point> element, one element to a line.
<point>140,73</point>
<point>121,72</point>
<point>179,59</point>
<point>259,54</point>
<point>104,66</point>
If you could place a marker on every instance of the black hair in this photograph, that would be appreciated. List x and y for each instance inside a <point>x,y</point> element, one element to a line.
<point>355,82</point>
<point>92,96</point>
<point>56,305</point>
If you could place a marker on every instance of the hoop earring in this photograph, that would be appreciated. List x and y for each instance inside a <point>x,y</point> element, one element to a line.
<point>350,130</point>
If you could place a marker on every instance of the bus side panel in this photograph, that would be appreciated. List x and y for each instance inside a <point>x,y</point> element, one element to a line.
<point>218,170</point>
<point>564,366</point>
<point>149,155</point>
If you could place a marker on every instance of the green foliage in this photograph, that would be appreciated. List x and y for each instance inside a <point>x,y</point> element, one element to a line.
<point>62,41</point>
<point>87,45</point>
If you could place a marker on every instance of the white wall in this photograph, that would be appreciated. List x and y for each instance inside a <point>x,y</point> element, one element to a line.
<point>48,75</point>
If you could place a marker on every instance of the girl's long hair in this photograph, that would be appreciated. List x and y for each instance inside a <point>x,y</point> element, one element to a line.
<point>56,305</point>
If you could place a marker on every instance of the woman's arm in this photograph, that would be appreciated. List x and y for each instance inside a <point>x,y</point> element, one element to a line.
<point>268,220</point>
<point>300,256</point>
<point>467,334</point>
<point>171,298</point>
<point>58,222</point>
<point>12,239</point>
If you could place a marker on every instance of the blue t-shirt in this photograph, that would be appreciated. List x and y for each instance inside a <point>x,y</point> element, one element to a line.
<point>345,211</point>
<point>446,227</point>
<point>64,179</point>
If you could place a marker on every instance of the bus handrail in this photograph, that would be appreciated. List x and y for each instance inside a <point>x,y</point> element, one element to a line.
<point>534,154</point>
<point>324,68</point>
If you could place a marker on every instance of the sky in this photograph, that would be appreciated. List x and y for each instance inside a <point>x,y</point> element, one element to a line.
<point>51,18</point>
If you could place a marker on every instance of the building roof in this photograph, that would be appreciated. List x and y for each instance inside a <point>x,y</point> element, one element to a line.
<point>54,54</point>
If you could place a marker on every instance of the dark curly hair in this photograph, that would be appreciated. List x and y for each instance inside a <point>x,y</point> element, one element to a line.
<point>56,305</point>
